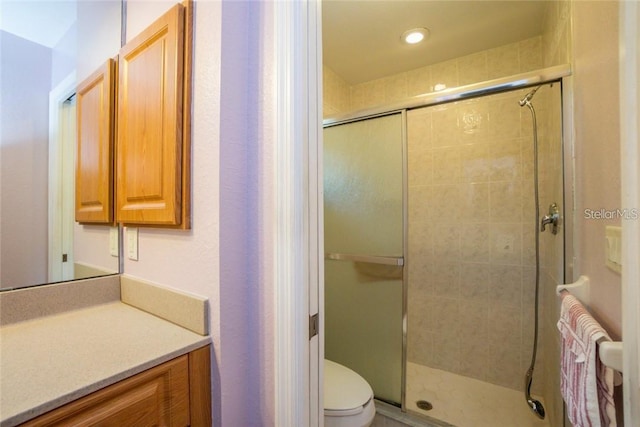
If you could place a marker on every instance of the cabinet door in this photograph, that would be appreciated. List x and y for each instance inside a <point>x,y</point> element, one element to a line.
<point>150,141</point>
<point>94,154</point>
<point>157,397</point>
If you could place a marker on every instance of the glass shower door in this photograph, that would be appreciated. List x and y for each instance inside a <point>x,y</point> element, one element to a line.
<point>363,214</point>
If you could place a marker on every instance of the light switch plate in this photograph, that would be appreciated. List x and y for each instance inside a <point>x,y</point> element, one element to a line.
<point>132,243</point>
<point>113,241</point>
<point>613,248</point>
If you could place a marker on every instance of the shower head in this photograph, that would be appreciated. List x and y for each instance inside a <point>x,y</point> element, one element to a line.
<point>524,101</point>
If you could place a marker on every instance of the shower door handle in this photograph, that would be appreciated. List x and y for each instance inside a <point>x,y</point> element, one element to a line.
<point>370,259</point>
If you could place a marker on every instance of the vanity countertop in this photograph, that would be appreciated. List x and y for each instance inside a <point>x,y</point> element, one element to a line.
<point>50,361</point>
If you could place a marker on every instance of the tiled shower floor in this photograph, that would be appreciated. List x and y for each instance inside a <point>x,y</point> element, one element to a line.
<point>467,402</point>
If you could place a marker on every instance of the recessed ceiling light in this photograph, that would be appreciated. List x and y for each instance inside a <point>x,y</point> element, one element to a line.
<point>415,35</point>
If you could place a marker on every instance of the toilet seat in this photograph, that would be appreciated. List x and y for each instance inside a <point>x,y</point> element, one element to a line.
<point>345,392</point>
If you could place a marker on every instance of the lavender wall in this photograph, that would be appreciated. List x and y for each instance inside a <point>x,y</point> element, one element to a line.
<point>246,308</point>
<point>98,30</point>
<point>63,56</point>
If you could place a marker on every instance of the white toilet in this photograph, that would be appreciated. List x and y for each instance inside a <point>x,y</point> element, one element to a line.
<point>348,398</point>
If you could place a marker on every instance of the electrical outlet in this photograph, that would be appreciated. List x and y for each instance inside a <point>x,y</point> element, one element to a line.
<point>132,243</point>
<point>114,249</point>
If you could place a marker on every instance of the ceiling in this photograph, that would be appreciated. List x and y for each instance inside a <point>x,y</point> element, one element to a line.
<point>361,38</point>
<point>40,21</point>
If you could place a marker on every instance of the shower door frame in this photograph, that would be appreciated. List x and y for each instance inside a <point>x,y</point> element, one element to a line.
<point>560,73</point>
<point>630,152</point>
<point>405,225</point>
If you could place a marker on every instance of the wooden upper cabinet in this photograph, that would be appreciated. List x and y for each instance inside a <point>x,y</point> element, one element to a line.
<point>153,144</point>
<point>94,154</point>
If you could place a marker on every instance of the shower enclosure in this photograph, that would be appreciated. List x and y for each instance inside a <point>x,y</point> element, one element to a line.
<point>430,262</point>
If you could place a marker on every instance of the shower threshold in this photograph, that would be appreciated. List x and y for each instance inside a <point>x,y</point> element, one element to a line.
<point>411,419</point>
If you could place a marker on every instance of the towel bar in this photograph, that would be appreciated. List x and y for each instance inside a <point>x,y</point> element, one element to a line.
<point>579,289</point>
<point>371,259</point>
<point>610,353</point>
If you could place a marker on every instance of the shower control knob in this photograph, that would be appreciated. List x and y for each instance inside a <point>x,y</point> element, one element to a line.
<point>552,218</point>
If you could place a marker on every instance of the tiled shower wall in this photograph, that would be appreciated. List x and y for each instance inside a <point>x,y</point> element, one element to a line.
<point>514,58</point>
<point>471,259</point>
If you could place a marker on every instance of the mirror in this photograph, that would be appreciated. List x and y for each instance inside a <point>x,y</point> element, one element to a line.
<point>46,49</point>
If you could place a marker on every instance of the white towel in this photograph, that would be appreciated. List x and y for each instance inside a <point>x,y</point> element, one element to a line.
<point>586,383</point>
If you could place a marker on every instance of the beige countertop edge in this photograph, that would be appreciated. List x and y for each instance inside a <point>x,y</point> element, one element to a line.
<point>110,342</point>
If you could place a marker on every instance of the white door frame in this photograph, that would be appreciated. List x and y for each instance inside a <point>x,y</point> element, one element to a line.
<point>60,239</point>
<point>298,243</point>
<point>630,167</point>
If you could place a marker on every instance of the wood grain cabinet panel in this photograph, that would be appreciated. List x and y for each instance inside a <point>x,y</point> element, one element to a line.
<point>157,397</point>
<point>150,158</point>
<point>176,393</point>
<point>94,154</point>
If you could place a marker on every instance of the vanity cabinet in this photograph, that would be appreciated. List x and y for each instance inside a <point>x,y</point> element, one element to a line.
<point>152,156</point>
<point>94,146</point>
<point>175,393</point>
